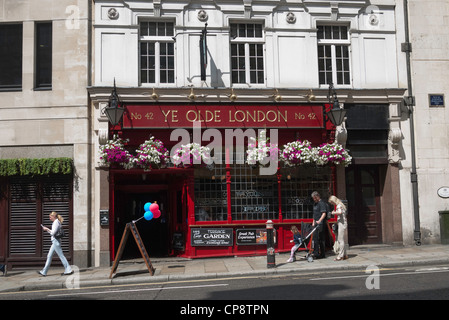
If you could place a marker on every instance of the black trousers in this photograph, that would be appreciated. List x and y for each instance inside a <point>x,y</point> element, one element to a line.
<point>318,242</point>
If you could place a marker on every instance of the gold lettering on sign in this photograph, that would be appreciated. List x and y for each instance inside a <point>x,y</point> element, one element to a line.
<point>174,115</point>
<point>136,116</point>
<point>299,116</point>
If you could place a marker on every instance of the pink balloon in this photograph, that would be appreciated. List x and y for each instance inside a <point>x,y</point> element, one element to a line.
<point>154,207</point>
<point>157,214</point>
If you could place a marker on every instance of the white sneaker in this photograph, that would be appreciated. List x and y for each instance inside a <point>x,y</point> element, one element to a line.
<point>290,260</point>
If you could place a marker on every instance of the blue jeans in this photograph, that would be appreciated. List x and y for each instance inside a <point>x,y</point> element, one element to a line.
<point>56,246</point>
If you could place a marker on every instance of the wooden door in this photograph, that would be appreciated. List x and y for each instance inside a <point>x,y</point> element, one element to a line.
<point>364,212</point>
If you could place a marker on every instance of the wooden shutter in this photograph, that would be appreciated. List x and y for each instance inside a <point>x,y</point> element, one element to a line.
<point>23,218</point>
<point>56,196</point>
<point>31,200</point>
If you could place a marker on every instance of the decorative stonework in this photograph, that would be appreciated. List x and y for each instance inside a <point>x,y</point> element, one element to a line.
<point>113,14</point>
<point>394,139</point>
<point>290,18</point>
<point>203,16</point>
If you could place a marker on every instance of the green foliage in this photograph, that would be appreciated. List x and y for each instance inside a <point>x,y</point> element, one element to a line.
<point>40,167</point>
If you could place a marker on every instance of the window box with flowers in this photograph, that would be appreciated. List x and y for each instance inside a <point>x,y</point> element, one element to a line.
<point>332,153</point>
<point>151,154</point>
<point>191,154</point>
<point>114,153</point>
<point>260,151</point>
<point>297,153</point>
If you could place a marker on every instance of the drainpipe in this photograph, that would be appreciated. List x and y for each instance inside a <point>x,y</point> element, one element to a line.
<point>410,103</point>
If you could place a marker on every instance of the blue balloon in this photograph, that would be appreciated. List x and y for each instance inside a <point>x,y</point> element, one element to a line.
<point>148,215</point>
<point>146,207</point>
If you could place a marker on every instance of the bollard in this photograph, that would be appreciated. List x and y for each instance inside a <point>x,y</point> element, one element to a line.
<point>271,260</point>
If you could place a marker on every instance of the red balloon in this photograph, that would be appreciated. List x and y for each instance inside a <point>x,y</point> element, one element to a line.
<point>157,214</point>
<point>154,207</point>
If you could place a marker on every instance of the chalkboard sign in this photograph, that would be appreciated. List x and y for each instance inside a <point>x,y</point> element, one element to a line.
<point>211,237</point>
<point>250,236</point>
<point>131,228</point>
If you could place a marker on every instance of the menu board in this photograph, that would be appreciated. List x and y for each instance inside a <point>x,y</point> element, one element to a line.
<point>211,237</point>
<point>251,236</point>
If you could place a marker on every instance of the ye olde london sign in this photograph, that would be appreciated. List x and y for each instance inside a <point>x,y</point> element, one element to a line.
<point>219,116</point>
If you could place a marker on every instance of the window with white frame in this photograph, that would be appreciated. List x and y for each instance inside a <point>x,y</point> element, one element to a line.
<point>157,52</point>
<point>247,53</point>
<point>333,55</point>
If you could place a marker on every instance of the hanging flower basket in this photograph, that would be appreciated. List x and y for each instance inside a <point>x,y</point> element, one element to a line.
<point>297,153</point>
<point>114,152</point>
<point>260,151</point>
<point>151,154</point>
<point>191,154</point>
<point>332,153</point>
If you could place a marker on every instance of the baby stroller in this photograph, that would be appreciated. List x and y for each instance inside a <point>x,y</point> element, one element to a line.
<point>306,232</point>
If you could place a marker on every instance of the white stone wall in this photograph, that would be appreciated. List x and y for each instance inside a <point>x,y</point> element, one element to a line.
<point>429,34</point>
<point>290,48</point>
<point>56,118</point>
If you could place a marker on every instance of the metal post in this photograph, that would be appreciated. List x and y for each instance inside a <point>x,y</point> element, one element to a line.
<point>271,260</point>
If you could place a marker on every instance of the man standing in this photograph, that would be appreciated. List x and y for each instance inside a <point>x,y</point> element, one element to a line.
<point>319,214</point>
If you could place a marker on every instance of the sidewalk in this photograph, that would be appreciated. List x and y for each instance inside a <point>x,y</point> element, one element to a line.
<point>176,269</point>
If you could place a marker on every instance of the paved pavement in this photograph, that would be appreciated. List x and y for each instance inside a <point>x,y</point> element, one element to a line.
<point>176,269</point>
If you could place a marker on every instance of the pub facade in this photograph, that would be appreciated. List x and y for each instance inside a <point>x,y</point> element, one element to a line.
<point>219,73</point>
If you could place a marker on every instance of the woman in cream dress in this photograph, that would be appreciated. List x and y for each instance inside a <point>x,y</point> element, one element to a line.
<point>340,211</point>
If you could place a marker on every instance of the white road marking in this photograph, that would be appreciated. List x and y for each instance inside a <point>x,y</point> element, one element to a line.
<point>384,274</point>
<point>135,290</point>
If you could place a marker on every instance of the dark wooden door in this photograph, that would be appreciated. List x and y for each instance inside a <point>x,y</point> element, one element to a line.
<point>364,212</point>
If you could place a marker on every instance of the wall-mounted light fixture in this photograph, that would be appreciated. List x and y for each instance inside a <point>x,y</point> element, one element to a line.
<point>276,96</point>
<point>191,95</point>
<point>232,96</point>
<point>154,95</point>
<point>310,96</point>
<point>114,111</point>
<point>336,115</point>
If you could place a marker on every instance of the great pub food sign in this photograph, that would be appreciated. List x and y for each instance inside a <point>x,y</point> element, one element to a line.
<point>222,116</point>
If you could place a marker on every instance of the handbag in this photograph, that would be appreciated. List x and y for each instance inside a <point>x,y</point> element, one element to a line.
<point>60,233</point>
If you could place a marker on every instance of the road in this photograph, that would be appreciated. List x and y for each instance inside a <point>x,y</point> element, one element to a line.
<point>429,282</point>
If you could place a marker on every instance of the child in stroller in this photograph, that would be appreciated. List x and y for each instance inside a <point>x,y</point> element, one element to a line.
<point>297,240</point>
<point>306,231</point>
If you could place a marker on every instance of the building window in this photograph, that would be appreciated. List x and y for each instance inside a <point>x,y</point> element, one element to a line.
<point>157,52</point>
<point>297,186</point>
<point>43,75</point>
<point>333,55</point>
<point>211,194</point>
<point>11,56</point>
<point>253,197</point>
<point>247,53</point>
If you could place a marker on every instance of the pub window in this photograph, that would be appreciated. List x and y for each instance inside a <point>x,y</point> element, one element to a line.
<point>333,55</point>
<point>157,52</point>
<point>11,56</point>
<point>210,193</point>
<point>43,74</point>
<point>247,53</point>
<point>297,185</point>
<point>253,196</point>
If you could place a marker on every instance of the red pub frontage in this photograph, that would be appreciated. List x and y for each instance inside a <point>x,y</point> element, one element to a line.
<point>219,209</point>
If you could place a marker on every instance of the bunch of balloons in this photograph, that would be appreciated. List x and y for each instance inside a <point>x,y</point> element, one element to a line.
<point>151,211</point>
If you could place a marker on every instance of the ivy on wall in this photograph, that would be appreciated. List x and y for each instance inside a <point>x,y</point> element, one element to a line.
<point>25,167</point>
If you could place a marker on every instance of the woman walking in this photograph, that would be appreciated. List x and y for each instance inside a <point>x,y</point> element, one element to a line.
<point>340,212</point>
<point>55,245</point>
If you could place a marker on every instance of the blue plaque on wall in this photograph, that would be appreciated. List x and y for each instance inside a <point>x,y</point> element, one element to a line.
<point>436,100</point>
